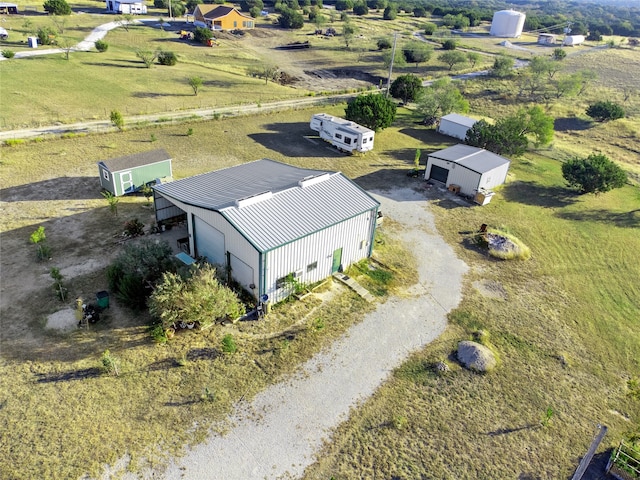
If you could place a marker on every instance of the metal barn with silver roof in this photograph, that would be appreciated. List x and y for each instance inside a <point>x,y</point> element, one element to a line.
<point>266,220</point>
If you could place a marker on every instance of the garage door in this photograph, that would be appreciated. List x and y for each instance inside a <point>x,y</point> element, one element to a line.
<point>438,173</point>
<point>241,272</point>
<point>209,242</point>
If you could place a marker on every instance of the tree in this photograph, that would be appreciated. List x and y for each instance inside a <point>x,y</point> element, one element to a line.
<point>566,85</point>
<point>473,58</point>
<point>559,54</point>
<point>200,298</point>
<point>147,57</point>
<point>38,238</point>
<point>374,111</point>
<point>360,8</point>
<point>398,58</point>
<point>594,174</point>
<point>502,66</point>
<point>348,32</point>
<point>406,87</point>
<point>247,5</point>
<point>417,52</point>
<point>57,7</point>
<point>60,23</point>
<point>419,11</point>
<point>604,111</point>
<point>117,119</point>
<point>291,19</point>
<point>343,5</point>
<point>390,13</point>
<point>441,98</point>
<point>452,58</point>
<point>46,35</point>
<point>67,46</point>
<point>195,83</point>
<point>137,269</point>
<point>429,28</point>
<point>510,135</point>
<point>124,21</point>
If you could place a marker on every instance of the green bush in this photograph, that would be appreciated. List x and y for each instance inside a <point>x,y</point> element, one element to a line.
<point>604,111</point>
<point>449,45</point>
<point>14,142</point>
<point>430,28</point>
<point>167,58</point>
<point>390,13</point>
<point>594,174</point>
<point>57,7</point>
<point>384,44</point>
<point>8,53</point>
<point>110,364</point>
<point>229,344</point>
<point>46,35</point>
<point>101,46</point>
<point>202,35</point>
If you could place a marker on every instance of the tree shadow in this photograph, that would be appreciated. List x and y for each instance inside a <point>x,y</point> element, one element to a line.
<point>159,95</point>
<point>295,140</point>
<point>532,193</point>
<point>61,188</point>
<point>83,374</point>
<point>119,64</point>
<point>567,124</point>
<point>629,219</point>
<point>506,431</point>
<point>196,354</point>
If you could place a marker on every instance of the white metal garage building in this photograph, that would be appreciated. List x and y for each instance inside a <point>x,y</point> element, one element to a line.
<point>469,168</point>
<point>455,125</point>
<point>265,220</point>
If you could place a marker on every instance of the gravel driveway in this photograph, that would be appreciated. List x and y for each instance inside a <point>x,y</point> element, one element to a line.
<point>278,434</point>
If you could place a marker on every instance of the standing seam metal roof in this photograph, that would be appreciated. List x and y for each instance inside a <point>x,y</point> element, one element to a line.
<point>291,213</point>
<point>474,158</point>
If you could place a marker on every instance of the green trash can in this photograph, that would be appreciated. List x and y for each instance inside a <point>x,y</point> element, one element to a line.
<point>102,298</point>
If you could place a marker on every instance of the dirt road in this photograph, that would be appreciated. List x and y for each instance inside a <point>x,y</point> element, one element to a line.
<point>278,434</point>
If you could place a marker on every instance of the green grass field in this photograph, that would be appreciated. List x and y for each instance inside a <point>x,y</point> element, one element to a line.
<point>564,323</point>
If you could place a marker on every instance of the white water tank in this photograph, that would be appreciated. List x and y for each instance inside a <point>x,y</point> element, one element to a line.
<point>507,23</point>
<point>573,40</point>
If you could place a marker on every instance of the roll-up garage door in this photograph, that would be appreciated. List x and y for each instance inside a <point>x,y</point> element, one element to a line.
<point>439,174</point>
<point>209,242</point>
<point>241,272</point>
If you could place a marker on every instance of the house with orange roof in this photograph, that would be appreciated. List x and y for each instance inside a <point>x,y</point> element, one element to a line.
<point>221,17</point>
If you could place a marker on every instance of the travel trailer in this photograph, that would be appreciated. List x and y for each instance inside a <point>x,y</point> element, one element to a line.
<point>343,134</point>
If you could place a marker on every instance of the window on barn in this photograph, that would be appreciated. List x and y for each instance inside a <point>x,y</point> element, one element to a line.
<point>281,282</point>
<point>105,174</point>
<point>312,266</point>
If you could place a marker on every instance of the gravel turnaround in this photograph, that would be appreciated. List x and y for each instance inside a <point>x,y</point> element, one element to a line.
<point>279,432</point>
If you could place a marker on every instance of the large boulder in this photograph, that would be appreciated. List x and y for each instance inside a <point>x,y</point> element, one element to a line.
<point>476,356</point>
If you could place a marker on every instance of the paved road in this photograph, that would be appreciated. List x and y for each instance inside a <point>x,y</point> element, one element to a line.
<point>279,433</point>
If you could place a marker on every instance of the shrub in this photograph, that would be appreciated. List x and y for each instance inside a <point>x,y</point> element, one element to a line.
<point>360,8</point>
<point>57,7</point>
<point>229,344</point>
<point>167,58</point>
<point>390,13</point>
<point>8,53</point>
<point>449,45</point>
<point>117,119</point>
<point>384,44</point>
<point>594,174</point>
<point>430,28</point>
<point>101,46</point>
<point>202,35</point>
<point>46,35</point>
<point>604,111</point>
<point>14,142</point>
<point>134,228</point>
<point>110,364</point>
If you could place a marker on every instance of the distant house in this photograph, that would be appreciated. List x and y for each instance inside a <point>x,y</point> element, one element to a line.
<point>134,7</point>
<point>221,17</point>
<point>547,39</point>
<point>455,125</point>
<point>128,174</point>
<point>466,169</point>
<point>8,8</point>
<point>265,221</point>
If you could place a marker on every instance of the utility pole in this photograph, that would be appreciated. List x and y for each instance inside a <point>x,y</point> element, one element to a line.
<point>393,56</point>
